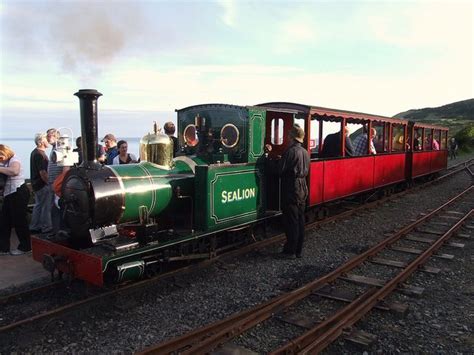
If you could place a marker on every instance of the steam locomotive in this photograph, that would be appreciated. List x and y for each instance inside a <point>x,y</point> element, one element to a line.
<point>127,221</point>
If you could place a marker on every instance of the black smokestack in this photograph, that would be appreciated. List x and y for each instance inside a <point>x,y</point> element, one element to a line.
<point>88,104</point>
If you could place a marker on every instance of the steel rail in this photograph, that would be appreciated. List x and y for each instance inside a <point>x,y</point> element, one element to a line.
<point>313,341</point>
<point>463,166</point>
<point>24,293</point>
<point>209,337</point>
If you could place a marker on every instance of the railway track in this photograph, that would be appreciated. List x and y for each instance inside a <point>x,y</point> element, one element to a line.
<point>320,334</point>
<point>89,296</point>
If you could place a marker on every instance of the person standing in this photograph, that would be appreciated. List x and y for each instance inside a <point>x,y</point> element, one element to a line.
<point>124,157</point>
<point>54,170</point>
<point>453,148</point>
<point>111,148</point>
<point>15,204</point>
<point>41,217</point>
<point>293,168</point>
<point>169,131</point>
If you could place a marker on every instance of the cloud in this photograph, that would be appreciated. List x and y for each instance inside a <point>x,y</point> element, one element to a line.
<point>295,33</point>
<point>421,24</point>
<point>229,14</point>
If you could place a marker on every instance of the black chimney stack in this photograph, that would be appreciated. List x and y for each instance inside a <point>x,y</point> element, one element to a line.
<point>88,104</point>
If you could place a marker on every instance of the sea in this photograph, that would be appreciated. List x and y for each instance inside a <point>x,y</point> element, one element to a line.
<point>24,146</point>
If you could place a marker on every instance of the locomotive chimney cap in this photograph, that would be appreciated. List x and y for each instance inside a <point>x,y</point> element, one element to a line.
<point>87,92</point>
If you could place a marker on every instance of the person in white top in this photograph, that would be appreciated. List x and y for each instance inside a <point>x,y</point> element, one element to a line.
<point>15,204</point>
<point>124,157</point>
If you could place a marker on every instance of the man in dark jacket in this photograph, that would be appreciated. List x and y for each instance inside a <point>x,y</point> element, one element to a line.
<point>332,145</point>
<point>111,148</point>
<point>293,169</point>
<point>169,131</point>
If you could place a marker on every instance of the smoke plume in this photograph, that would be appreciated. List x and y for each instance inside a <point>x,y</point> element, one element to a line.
<point>82,37</point>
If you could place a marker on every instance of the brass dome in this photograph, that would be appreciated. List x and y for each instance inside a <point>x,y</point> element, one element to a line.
<point>157,148</point>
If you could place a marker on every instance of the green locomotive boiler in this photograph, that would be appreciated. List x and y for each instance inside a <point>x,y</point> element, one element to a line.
<point>124,221</point>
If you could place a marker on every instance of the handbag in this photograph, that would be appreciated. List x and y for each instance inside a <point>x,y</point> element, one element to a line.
<point>4,177</point>
<point>3,180</point>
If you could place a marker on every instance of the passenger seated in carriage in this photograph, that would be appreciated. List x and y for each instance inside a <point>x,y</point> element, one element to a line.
<point>332,145</point>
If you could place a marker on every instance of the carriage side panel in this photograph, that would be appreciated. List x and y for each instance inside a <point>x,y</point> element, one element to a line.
<point>316,182</point>
<point>389,169</point>
<point>439,160</point>
<point>421,163</point>
<point>344,177</point>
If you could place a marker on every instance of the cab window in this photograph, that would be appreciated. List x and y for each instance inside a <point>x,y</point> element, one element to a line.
<point>277,131</point>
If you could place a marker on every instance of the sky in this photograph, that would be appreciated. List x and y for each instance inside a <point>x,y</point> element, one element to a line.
<point>151,57</point>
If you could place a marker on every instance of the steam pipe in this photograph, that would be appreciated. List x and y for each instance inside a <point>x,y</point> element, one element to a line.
<point>88,106</point>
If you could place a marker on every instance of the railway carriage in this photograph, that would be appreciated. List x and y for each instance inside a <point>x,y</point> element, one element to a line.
<point>430,155</point>
<point>127,221</point>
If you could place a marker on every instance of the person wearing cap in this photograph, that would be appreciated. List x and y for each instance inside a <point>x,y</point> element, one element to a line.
<point>169,130</point>
<point>293,168</point>
<point>111,146</point>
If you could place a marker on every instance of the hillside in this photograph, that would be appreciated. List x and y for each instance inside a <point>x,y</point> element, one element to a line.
<point>456,116</point>
<point>457,110</point>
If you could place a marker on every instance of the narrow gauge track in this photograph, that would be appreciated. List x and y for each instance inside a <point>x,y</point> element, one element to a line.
<point>320,335</point>
<point>84,296</point>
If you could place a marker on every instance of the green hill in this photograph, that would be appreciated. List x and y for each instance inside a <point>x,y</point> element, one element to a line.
<point>457,115</point>
<point>463,110</point>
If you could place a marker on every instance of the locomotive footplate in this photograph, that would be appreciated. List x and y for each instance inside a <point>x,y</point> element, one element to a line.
<point>74,263</point>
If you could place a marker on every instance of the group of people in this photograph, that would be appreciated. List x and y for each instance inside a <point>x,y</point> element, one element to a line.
<point>114,153</point>
<point>46,178</point>
<point>44,174</point>
<point>332,144</point>
<point>430,142</point>
<point>367,144</point>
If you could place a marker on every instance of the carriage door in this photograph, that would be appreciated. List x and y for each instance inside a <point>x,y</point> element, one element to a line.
<point>276,134</point>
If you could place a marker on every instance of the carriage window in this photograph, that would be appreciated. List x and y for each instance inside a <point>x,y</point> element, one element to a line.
<point>314,137</point>
<point>229,135</point>
<point>386,139</point>
<point>277,131</point>
<point>378,139</point>
<point>417,140</point>
<point>398,138</point>
<point>356,133</point>
<point>427,143</point>
<point>436,139</point>
<point>331,139</point>
<point>444,145</point>
<point>299,121</point>
<point>190,135</point>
